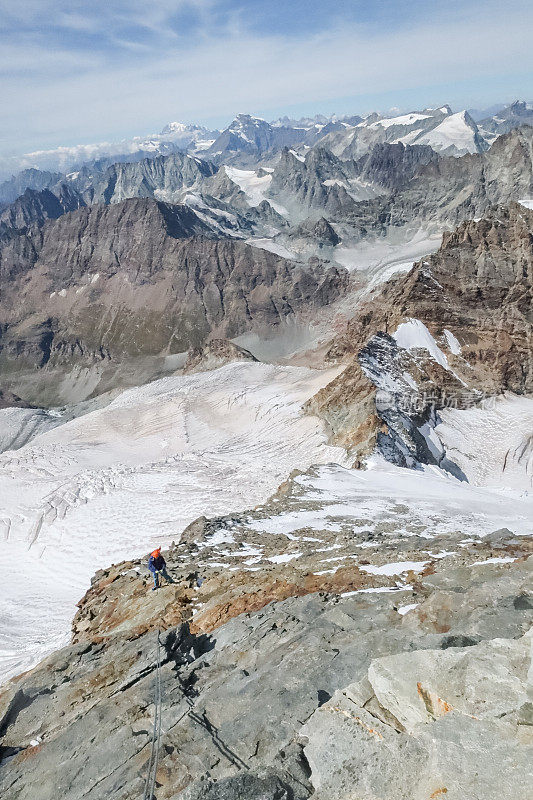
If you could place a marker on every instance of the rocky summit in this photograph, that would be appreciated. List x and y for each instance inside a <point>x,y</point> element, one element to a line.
<point>294,358</point>
<point>291,665</point>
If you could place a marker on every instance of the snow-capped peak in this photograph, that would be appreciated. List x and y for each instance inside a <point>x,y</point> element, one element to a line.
<point>445,109</point>
<point>178,127</point>
<point>247,120</point>
<point>454,134</point>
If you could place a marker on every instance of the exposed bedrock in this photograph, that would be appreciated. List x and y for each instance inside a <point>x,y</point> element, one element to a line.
<point>139,279</point>
<point>317,695</point>
<point>457,327</point>
<point>320,645</point>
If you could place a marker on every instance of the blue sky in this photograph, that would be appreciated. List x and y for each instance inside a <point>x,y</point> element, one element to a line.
<point>75,72</point>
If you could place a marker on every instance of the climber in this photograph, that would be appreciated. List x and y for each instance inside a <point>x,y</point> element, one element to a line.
<point>157,565</point>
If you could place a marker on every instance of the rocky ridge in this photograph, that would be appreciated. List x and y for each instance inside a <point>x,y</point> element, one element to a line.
<point>389,185</point>
<point>466,312</point>
<point>310,677</point>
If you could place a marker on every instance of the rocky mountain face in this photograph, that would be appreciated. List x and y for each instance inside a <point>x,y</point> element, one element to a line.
<point>457,326</point>
<point>314,186</point>
<point>396,185</point>
<point>137,279</point>
<point>290,679</point>
<point>27,179</point>
<point>447,191</point>
<point>392,166</point>
<point>455,189</point>
<point>253,136</point>
<point>513,116</point>
<point>163,178</point>
<point>37,206</point>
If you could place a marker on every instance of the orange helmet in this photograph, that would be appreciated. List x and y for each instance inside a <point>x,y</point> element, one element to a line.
<point>156,552</point>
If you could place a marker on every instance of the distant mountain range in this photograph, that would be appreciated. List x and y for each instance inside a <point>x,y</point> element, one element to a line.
<point>171,250</point>
<point>443,130</point>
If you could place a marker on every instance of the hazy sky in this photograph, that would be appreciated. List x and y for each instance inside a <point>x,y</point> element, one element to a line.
<point>77,72</point>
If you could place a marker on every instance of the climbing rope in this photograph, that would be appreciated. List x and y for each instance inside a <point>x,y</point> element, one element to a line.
<point>200,719</point>
<point>149,785</point>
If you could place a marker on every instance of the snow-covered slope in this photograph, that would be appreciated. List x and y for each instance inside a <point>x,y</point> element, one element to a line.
<point>432,502</point>
<point>493,442</point>
<point>254,186</point>
<point>125,478</point>
<point>441,129</point>
<point>403,119</point>
<point>457,134</point>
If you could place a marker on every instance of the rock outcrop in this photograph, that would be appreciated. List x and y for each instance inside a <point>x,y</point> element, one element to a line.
<point>473,299</point>
<point>10,400</point>
<point>292,691</point>
<point>430,710</point>
<point>215,353</point>
<point>318,232</point>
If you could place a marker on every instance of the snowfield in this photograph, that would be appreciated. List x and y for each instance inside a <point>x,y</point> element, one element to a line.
<point>115,483</point>
<point>437,504</point>
<point>492,443</point>
<point>253,186</point>
<point>454,133</point>
<point>404,119</point>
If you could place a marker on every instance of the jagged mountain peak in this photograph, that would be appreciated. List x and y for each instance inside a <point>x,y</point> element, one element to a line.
<point>506,119</point>
<point>444,109</point>
<point>249,119</point>
<point>521,107</point>
<point>248,127</point>
<point>252,136</point>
